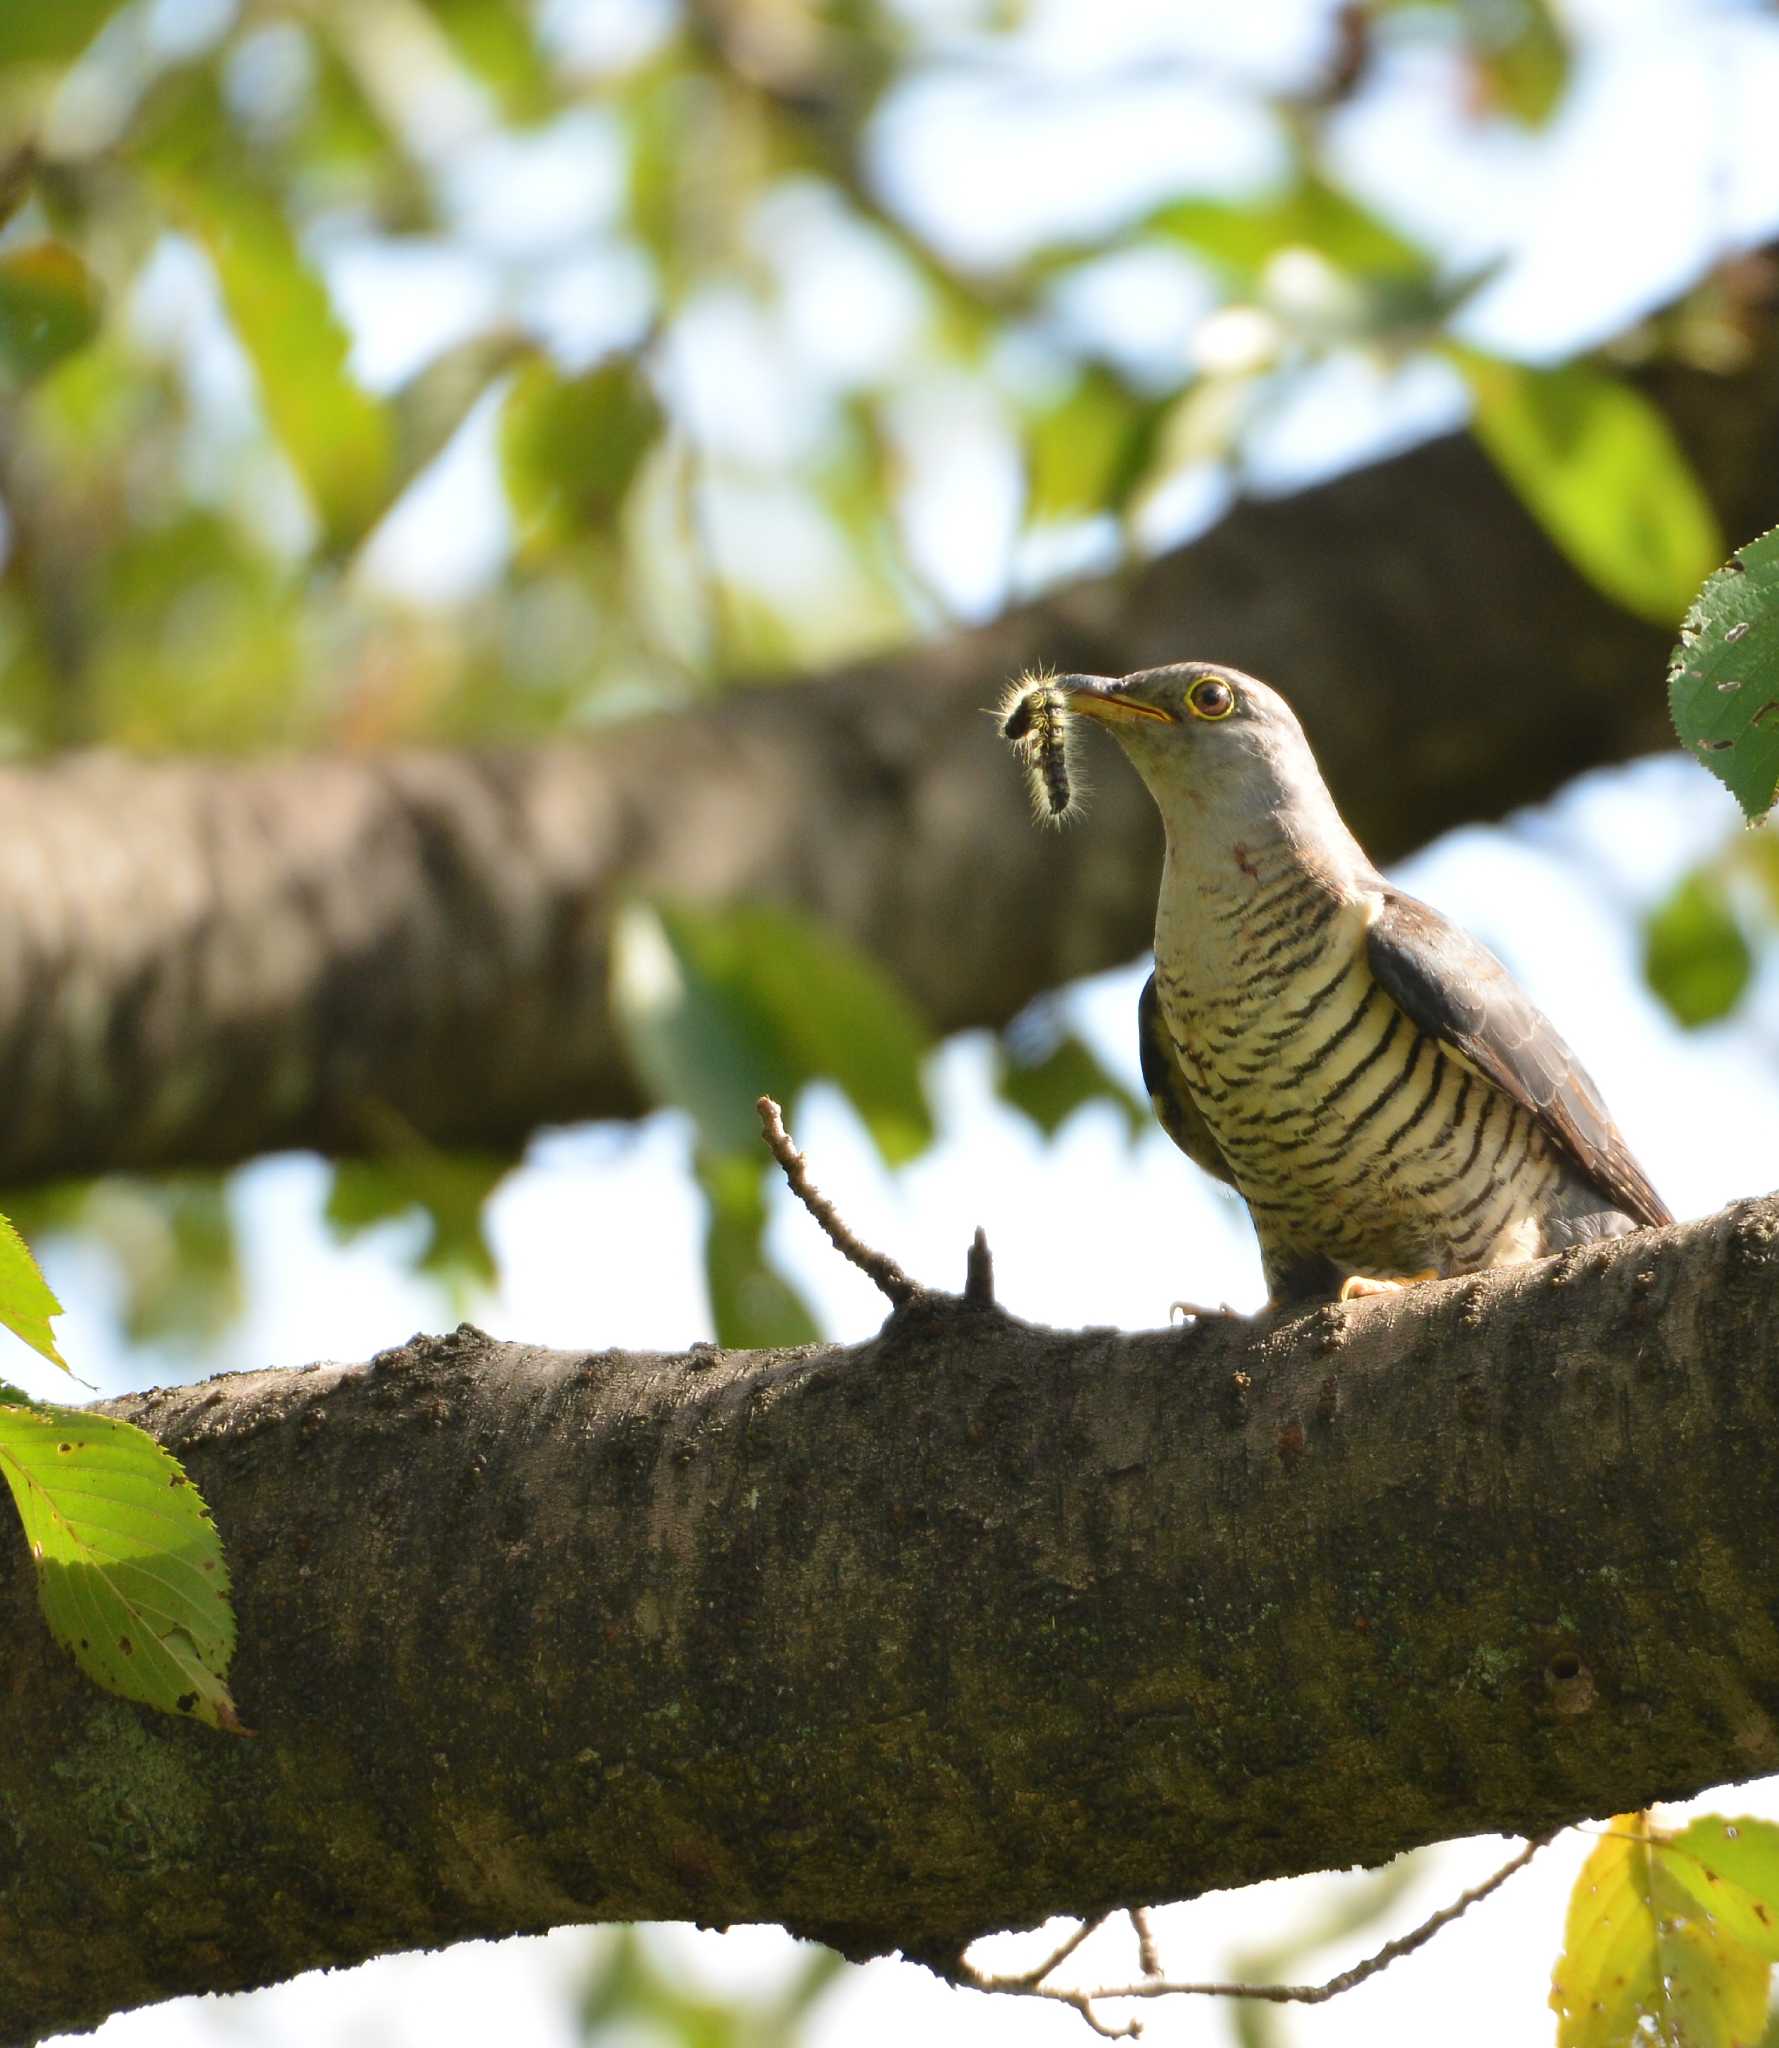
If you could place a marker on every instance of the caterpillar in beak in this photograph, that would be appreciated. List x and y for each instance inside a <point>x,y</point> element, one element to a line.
<point>1037,725</point>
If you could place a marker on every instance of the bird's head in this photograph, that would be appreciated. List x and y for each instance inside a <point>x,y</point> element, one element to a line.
<point>1222,754</point>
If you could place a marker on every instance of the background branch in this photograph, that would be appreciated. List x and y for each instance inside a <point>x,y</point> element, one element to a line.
<point>201,960</point>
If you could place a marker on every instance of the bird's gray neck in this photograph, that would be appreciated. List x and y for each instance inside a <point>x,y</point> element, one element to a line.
<point>1224,891</point>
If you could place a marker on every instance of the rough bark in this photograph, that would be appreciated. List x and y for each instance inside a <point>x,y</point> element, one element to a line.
<point>203,960</point>
<point>897,1643</point>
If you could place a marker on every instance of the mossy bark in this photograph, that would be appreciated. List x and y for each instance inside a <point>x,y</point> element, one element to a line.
<point>904,1641</point>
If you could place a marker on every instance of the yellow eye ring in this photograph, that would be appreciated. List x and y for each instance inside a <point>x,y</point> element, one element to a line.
<point>1210,697</point>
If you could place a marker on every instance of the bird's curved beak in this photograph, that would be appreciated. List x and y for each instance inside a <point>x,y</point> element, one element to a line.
<point>1105,698</point>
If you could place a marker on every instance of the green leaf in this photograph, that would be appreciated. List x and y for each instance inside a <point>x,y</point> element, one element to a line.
<point>1087,451</point>
<point>130,1570</point>
<point>26,1303</point>
<point>1723,677</point>
<point>1696,956</point>
<point>450,1189</point>
<point>719,1007</point>
<point>333,430</point>
<point>751,1304</point>
<point>495,40</point>
<point>49,307</point>
<point>1241,239</point>
<point>1601,472</point>
<point>1516,51</point>
<point>47,31</point>
<point>1638,1955</point>
<point>1731,1869</point>
<point>1526,71</point>
<point>1052,1088</point>
<point>571,446</point>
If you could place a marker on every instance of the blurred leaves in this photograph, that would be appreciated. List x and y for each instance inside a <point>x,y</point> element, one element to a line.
<point>1087,449</point>
<point>1515,52</point>
<point>1696,955</point>
<point>336,434</point>
<point>1242,237</point>
<point>720,1007</point>
<point>1723,677</point>
<point>169,1240</point>
<point>1601,471</point>
<point>447,1192</point>
<point>48,31</point>
<point>571,446</point>
<point>633,1995</point>
<point>752,1305</point>
<point>1048,1083</point>
<point>49,307</point>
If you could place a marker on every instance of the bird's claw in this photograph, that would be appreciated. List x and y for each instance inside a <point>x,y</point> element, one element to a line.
<point>1356,1285</point>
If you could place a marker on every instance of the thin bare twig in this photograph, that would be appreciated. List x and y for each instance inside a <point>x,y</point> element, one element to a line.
<point>878,1267</point>
<point>1031,1984</point>
<point>1148,1957</point>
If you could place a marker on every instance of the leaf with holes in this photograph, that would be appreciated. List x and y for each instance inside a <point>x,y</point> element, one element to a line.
<point>1731,1868</point>
<point>26,1303</point>
<point>1640,1962</point>
<point>130,1571</point>
<point>1723,677</point>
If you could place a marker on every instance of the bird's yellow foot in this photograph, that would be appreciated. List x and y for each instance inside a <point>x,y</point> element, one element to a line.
<point>1357,1284</point>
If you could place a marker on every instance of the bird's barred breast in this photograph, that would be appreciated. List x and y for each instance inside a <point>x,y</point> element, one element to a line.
<point>1350,1133</point>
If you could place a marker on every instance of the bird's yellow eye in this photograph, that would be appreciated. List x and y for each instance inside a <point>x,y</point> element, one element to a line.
<point>1211,697</point>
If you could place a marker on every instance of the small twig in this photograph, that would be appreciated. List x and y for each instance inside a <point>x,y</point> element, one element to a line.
<point>1148,1960</point>
<point>979,1271</point>
<point>878,1267</point>
<point>1031,1984</point>
<point>1057,1956</point>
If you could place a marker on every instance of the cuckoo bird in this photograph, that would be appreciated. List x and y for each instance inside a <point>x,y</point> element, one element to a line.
<point>1367,1077</point>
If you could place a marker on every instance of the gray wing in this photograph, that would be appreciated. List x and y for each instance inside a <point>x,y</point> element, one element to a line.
<point>1169,1096</point>
<point>1456,990</point>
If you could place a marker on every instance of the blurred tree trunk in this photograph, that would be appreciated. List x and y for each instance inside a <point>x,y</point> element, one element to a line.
<point>200,960</point>
<point>899,1643</point>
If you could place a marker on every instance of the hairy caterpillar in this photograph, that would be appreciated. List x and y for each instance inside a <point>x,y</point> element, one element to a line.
<point>1036,723</point>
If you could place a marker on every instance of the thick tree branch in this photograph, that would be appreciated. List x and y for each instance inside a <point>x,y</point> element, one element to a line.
<point>944,1632</point>
<point>203,960</point>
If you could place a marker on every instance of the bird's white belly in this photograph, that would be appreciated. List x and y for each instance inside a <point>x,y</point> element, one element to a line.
<point>1350,1134</point>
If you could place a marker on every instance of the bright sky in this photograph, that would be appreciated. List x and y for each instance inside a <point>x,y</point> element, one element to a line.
<point>596,1236</point>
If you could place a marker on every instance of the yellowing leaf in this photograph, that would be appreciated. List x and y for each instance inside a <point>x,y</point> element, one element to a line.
<point>1606,1977</point>
<point>1731,1869</point>
<point>130,1571</point>
<point>1639,1955</point>
<point>26,1303</point>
